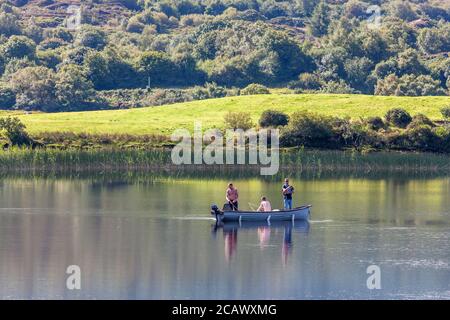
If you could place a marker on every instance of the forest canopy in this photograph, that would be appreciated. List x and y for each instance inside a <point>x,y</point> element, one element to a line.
<point>372,47</point>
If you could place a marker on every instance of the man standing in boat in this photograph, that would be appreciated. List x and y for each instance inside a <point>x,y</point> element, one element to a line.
<point>232,197</point>
<point>287,190</point>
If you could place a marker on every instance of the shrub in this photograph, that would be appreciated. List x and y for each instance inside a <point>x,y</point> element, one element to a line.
<point>254,88</point>
<point>421,120</point>
<point>238,120</point>
<point>273,118</point>
<point>349,133</point>
<point>307,129</point>
<point>443,135</point>
<point>398,117</point>
<point>422,138</point>
<point>375,123</point>
<point>446,112</point>
<point>14,130</point>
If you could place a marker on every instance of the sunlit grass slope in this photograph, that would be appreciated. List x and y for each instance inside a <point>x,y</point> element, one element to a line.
<point>165,119</point>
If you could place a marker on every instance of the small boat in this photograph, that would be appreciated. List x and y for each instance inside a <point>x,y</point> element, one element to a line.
<point>300,213</point>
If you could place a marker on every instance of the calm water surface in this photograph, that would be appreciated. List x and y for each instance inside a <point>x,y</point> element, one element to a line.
<point>154,239</point>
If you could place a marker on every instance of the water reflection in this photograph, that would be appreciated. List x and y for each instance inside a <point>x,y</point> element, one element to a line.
<point>263,231</point>
<point>148,239</point>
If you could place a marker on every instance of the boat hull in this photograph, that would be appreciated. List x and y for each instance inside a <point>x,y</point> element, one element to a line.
<point>301,213</point>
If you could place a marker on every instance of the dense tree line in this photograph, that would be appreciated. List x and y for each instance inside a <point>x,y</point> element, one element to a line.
<point>307,45</point>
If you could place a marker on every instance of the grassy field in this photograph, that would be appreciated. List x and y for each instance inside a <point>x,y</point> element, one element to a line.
<point>165,119</point>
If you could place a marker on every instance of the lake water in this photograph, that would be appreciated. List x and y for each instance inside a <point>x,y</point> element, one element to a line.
<point>153,238</point>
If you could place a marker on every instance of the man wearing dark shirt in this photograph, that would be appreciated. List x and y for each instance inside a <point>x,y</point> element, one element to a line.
<point>287,190</point>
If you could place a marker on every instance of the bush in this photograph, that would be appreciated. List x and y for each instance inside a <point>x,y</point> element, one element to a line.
<point>14,130</point>
<point>398,117</point>
<point>307,129</point>
<point>422,138</point>
<point>273,118</point>
<point>354,134</point>
<point>238,120</point>
<point>421,120</point>
<point>443,135</point>
<point>375,123</point>
<point>254,88</point>
<point>446,112</point>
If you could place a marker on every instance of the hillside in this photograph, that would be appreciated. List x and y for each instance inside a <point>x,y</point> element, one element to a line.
<point>73,55</point>
<point>165,119</point>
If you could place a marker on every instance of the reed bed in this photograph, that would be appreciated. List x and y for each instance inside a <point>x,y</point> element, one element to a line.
<point>298,160</point>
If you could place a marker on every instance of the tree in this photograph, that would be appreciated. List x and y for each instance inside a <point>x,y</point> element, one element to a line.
<point>215,8</point>
<point>306,81</point>
<point>238,120</point>
<point>287,57</point>
<point>374,46</point>
<point>403,10</point>
<point>8,22</point>
<point>409,85</point>
<point>91,37</point>
<point>35,88</point>
<point>97,70</point>
<point>387,86</point>
<point>423,85</point>
<point>58,33</point>
<point>157,66</point>
<point>48,58</point>
<point>307,129</point>
<point>434,40</point>
<point>308,6</point>
<point>19,47</point>
<point>355,9</point>
<point>273,118</point>
<point>14,65</point>
<point>320,20</point>
<point>398,117</point>
<point>33,31</point>
<point>134,25</point>
<point>14,130</point>
<point>72,87</point>
<point>358,71</point>
<point>409,62</point>
<point>7,98</point>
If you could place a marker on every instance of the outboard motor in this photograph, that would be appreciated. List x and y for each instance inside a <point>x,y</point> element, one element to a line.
<point>215,210</point>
